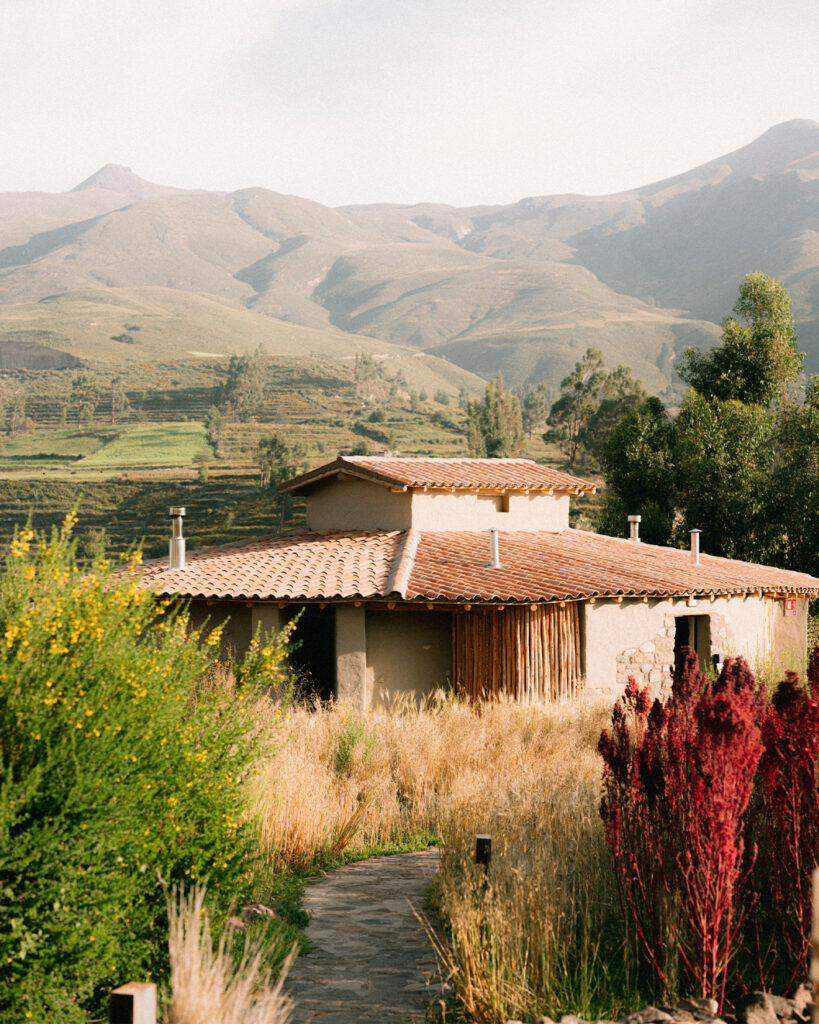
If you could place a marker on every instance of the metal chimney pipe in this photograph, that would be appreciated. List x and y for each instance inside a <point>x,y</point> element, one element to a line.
<point>494,553</point>
<point>634,528</point>
<point>695,546</point>
<point>176,553</point>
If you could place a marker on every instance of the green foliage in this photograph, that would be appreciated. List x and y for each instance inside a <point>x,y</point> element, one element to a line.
<point>354,735</point>
<point>534,408</point>
<point>120,764</point>
<point>213,425</point>
<point>365,430</point>
<point>493,426</point>
<point>795,483</point>
<point>277,460</point>
<point>243,391</point>
<point>85,390</point>
<point>734,463</point>
<point>757,360</point>
<point>590,406</point>
<point>723,458</point>
<point>571,412</point>
<point>638,464</point>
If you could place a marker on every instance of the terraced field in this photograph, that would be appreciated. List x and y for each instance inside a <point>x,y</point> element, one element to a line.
<point>156,446</point>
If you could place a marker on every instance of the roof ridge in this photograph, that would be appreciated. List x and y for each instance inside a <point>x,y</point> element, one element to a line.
<point>404,562</point>
<point>439,458</point>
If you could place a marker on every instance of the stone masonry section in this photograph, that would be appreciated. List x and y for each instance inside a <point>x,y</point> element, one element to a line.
<point>371,962</point>
<point>652,662</point>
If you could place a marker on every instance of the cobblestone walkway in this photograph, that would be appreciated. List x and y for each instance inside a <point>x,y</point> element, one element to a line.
<point>371,961</point>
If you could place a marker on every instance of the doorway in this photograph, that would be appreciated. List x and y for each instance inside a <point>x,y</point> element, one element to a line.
<point>314,660</point>
<point>694,631</point>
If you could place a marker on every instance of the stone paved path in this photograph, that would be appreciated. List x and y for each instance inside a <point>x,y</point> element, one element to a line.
<point>371,960</point>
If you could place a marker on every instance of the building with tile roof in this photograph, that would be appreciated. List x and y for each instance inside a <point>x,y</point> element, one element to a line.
<point>416,573</point>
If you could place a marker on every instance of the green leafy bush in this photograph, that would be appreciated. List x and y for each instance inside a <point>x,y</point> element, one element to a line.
<point>123,758</point>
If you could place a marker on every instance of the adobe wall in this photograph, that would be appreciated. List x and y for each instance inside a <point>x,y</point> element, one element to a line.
<point>466,510</point>
<point>637,638</point>
<point>357,505</point>
<point>407,652</point>
<point>236,621</point>
<point>790,631</point>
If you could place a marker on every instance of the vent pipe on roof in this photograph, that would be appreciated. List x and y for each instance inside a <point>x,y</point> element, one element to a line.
<point>634,528</point>
<point>695,546</point>
<point>176,554</point>
<point>494,553</point>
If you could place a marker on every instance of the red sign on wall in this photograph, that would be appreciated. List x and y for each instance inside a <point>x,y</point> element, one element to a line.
<point>790,606</point>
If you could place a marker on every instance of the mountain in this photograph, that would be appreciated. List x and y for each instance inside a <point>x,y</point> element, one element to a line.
<point>523,288</point>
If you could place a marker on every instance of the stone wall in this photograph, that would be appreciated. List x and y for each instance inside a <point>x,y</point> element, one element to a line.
<point>652,662</point>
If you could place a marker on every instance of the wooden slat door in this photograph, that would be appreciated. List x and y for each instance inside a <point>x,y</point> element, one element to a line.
<point>531,653</point>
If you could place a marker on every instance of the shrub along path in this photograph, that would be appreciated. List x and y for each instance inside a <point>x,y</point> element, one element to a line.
<point>371,961</point>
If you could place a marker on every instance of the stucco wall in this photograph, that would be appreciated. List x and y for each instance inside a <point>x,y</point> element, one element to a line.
<point>357,505</point>
<point>790,632</point>
<point>236,620</point>
<point>637,638</point>
<point>351,657</point>
<point>408,652</point>
<point>441,510</point>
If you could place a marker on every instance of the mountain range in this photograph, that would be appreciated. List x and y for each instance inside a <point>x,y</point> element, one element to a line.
<point>523,288</point>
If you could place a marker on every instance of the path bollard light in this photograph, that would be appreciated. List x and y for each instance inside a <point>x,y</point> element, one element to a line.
<point>483,851</point>
<point>134,1003</point>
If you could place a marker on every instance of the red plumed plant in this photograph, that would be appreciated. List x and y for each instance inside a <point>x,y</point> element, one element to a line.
<point>632,810</point>
<point>676,786</point>
<point>789,824</point>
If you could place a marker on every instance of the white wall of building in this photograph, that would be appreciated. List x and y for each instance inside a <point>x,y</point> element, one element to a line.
<point>637,638</point>
<point>360,505</point>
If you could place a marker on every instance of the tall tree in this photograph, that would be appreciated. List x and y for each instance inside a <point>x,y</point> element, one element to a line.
<point>638,461</point>
<point>119,400</point>
<point>493,425</point>
<point>534,408</point>
<point>757,360</point>
<point>278,461</point>
<point>723,458</point>
<point>794,494</point>
<point>243,391</point>
<point>618,393</point>
<point>570,414</point>
<point>85,391</point>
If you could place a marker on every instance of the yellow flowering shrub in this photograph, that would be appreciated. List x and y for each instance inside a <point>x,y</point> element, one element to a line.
<point>120,764</point>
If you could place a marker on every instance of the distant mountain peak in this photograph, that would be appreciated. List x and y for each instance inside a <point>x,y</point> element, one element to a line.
<point>775,150</point>
<point>797,128</point>
<point>116,178</point>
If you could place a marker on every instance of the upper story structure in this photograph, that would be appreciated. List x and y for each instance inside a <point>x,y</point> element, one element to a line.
<point>371,492</point>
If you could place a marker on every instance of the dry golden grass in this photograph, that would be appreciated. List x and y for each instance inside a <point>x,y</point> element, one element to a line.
<point>207,986</point>
<point>340,779</point>
<point>529,939</point>
<point>534,934</point>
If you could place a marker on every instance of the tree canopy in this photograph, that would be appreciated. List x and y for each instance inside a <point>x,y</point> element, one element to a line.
<point>493,424</point>
<point>757,360</point>
<point>591,403</point>
<point>741,460</point>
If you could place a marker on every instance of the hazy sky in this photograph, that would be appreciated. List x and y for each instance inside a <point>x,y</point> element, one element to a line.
<point>457,101</point>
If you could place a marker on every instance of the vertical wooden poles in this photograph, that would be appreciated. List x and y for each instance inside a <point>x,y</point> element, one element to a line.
<point>529,652</point>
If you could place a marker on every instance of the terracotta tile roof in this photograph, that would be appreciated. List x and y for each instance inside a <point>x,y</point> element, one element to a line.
<point>307,565</point>
<point>467,474</point>
<point>575,564</point>
<point>453,566</point>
